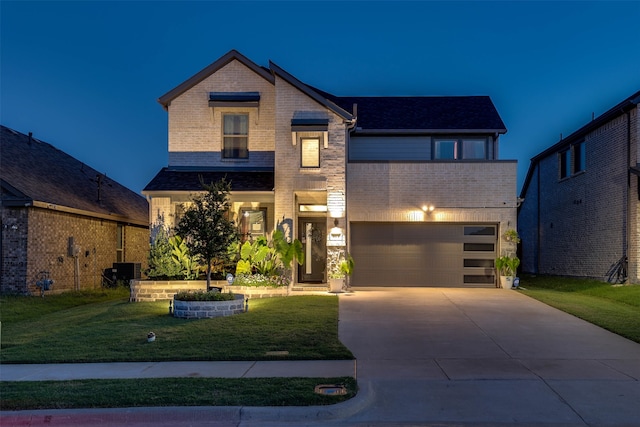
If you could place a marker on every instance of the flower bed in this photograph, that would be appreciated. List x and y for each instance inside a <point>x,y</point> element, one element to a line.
<point>164,290</point>
<point>256,292</point>
<point>208,309</point>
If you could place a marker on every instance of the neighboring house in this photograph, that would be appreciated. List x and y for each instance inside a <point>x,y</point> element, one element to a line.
<point>581,209</point>
<point>411,186</point>
<point>62,217</point>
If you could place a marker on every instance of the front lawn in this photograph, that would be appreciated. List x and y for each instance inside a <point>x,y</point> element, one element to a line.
<point>105,327</point>
<point>21,395</point>
<point>102,326</point>
<point>615,308</point>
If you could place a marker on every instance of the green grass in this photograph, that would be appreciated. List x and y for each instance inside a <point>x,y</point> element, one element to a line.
<point>105,327</point>
<point>170,392</point>
<point>615,308</point>
<point>102,326</point>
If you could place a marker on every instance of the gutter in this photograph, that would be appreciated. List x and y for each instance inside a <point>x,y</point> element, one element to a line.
<point>110,217</point>
<point>429,131</point>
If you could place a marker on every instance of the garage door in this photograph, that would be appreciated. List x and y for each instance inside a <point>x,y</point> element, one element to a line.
<point>418,254</point>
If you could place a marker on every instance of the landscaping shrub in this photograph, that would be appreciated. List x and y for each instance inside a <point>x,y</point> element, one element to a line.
<point>204,296</point>
<point>261,280</point>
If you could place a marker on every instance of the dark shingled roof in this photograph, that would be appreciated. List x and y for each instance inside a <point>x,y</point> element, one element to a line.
<point>169,179</point>
<point>34,171</point>
<point>422,112</point>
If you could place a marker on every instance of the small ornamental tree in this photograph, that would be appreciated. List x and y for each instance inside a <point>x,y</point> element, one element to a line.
<point>161,263</point>
<point>206,227</point>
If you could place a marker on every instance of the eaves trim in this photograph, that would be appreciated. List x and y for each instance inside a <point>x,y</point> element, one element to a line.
<point>428,131</point>
<point>82,212</point>
<point>233,54</point>
<point>309,92</point>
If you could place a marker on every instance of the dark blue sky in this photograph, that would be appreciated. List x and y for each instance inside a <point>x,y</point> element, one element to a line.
<point>85,76</point>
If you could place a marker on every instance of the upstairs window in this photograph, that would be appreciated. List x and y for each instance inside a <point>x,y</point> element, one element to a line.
<point>235,136</point>
<point>460,148</point>
<point>474,149</point>
<point>565,164</point>
<point>310,151</point>
<point>572,160</point>
<point>445,149</point>
<point>579,158</point>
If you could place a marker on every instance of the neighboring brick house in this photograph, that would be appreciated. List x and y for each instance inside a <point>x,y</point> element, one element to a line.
<point>411,186</point>
<point>63,217</point>
<point>581,209</point>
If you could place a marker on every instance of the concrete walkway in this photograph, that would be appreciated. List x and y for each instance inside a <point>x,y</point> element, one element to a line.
<point>436,356</point>
<point>262,369</point>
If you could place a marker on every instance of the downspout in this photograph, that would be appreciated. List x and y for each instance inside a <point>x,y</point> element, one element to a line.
<point>627,236</point>
<point>351,124</point>
<point>539,231</point>
<point>627,208</point>
<point>627,219</point>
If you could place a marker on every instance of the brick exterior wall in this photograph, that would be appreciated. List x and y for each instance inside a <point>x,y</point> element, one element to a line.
<point>195,129</point>
<point>15,227</point>
<point>290,179</point>
<point>388,191</point>
<point>42,239</point>
<point>577,226</point>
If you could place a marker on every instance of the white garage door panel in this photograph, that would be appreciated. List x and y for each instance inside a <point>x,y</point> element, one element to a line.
<point>418,254</point>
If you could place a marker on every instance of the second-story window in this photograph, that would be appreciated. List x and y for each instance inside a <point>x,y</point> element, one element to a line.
<point>310,151</point>
<point>565,164</point>
<point>460,148</point>
<point>579,158</point>
<point>235,136</point>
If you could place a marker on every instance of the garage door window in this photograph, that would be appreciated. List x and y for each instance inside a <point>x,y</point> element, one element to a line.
<point>479,247</point>
<point>481,263</point>
<point>476,278</point>
<point>479,231</point>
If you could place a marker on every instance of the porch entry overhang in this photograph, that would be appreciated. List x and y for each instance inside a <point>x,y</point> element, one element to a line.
<point>182,179</point>
<point>310,125</point>
<point>234,99</point>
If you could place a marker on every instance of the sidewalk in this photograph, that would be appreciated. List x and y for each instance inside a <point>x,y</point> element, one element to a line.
<point>260,369</point>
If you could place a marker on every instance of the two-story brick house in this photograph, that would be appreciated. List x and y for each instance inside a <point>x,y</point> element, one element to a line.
<point>581,209</point>
<point>411,186</point>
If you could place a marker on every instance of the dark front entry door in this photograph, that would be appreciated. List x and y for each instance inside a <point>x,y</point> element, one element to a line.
<point>312,232</point>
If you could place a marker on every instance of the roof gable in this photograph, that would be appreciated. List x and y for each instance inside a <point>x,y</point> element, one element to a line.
<point>34,171</point>
<point>232,55</point>
<point>310,92</point>
<point>617,110</point>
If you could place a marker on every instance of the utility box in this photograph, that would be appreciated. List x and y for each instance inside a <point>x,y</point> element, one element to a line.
<point>126,270</point>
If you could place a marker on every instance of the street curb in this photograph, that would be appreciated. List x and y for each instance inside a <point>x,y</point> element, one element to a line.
<point>364,398</point>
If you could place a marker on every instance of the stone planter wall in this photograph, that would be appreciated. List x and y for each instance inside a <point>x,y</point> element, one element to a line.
<point>253,292</point>
<point>161,290</point>
<point>208,309</point>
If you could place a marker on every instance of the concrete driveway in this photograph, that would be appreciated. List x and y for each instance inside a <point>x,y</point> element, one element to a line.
<point>485,357</point>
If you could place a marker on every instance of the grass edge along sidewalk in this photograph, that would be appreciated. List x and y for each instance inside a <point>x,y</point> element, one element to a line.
<point>23,395</point>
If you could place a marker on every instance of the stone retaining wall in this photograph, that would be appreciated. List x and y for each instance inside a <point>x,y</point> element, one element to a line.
<point>208,309</point>
<point>162,290</point>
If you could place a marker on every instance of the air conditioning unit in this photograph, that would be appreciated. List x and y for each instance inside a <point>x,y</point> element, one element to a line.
<point>127,270</point>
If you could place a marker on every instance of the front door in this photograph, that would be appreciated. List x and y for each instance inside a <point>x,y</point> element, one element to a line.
<point>312,234</point>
